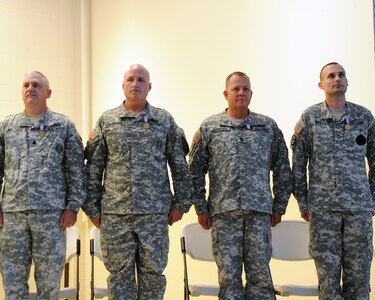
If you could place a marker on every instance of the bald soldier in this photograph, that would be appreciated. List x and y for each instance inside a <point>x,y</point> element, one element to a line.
<point>129,196</point>
<point>42,172</point>
<point>335,194</point>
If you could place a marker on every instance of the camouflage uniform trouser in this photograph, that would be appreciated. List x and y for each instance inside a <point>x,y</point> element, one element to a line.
<point>135,244</point>
<point>341,242</point>
<point>28,236</point>
<point>243,238</point>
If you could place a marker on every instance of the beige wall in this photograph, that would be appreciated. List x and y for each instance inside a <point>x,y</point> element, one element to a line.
<point>189,48</point>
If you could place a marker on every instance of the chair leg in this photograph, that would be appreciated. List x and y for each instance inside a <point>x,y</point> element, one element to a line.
<point>274,292</point>
<point>186,292</point>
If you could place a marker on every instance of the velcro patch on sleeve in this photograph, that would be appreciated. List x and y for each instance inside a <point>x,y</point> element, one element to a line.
<point>93,134</point>
<point>197,138</point>
<point>298,128</point>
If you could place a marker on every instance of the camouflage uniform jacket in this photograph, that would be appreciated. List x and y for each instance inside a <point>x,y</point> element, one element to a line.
<point>238,160</point>
<point>42,165</point>
<point>335,153</point>
<point>127,160</point>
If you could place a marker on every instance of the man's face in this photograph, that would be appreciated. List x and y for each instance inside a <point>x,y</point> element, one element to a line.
<point>136,84</point>
<point>333,80</point>
<point>238,92</point>
<point>35,90</point>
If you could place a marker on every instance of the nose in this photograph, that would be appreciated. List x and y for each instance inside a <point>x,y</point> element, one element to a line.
<point>135,82</point>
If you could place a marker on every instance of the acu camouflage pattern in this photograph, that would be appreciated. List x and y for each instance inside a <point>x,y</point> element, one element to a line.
<point>131,156</point>
<point>243,237</point>
<point>41,171</point>
<point>338,194</point>
<point>336,156</point>
<point>238,162</point>
<point>27,235</point>
<point>42,174</point>
<point>130,241</point>
<point>342,238</point>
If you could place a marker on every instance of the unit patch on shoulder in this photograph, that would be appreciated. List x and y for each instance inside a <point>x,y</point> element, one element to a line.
<point>298,128</point>
<point>93,134</point>
<point>197,138</point>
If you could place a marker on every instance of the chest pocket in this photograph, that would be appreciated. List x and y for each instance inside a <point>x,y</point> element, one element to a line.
<point>16,138</point>
<point>152,141</point>
<point>124,139</point>
<point>254,141</point>
<point>52,143</point>
<point>355,140</point>
<point>223,141</point>
<point>322,137</point>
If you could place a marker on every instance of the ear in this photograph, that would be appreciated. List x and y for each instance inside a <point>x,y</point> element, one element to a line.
<point>149,86</point>
<point>320,85</point>
<point>49,93</point>
<point>225,93</point>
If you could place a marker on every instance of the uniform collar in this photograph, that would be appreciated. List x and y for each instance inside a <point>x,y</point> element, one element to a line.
<point>148,111</point>
<point>350,111</point>
<point>47,119</point>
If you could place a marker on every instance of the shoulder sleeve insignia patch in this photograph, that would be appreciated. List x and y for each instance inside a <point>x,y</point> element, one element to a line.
<point>197,138</point>
<point>298,128</point>
<point>93,134</point>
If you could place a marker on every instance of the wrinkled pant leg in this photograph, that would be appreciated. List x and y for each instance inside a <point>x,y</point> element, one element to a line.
<point>227,246</point>
<point>16,255</point>
<point>119,245</point>
<point>48,252</point>
<point>326,250</point>
<point>257,254</point>
<point>357,255</point>
<point>152,256</point>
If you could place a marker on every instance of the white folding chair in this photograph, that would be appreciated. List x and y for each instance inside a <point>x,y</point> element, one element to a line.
<point>290,242</point>
<point>73,249</point>
<point>196,243</point>
<point>97,292</point>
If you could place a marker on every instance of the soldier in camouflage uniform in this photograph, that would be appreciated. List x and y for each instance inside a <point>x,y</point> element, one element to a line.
<point>42,172</point>
<point>129,196</point>
<point>238,149</point>
<point>334,138</point>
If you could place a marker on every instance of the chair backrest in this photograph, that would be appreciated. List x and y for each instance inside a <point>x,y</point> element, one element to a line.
<point>73,245</point>
<point>96,292</point>
<point>95,246</point>
<point>290,240</point>
<point>197,241</point>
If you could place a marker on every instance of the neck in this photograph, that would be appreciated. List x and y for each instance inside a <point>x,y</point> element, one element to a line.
<point>336,101</point>
<point>35,111</point>
<point>135,106</point>
<point>238,114</point>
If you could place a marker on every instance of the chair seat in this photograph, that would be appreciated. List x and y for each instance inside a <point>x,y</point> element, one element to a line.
<point>203,290</point>
<point>297,290</point>
<point>64,293</point>
<point>68,293</point>
<point>100,292</point>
